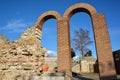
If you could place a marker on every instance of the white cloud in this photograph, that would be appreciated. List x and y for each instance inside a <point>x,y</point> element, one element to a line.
<point>15,26</point>
<point>52,53</point>
<point>76,57</point>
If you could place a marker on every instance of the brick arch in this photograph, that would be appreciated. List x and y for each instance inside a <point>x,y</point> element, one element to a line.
<point>81,7</point>
<point>45,16</point>
<point>102,41</point>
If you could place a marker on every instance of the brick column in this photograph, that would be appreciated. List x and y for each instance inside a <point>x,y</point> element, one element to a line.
<point>103,48</point>
<point>64,56</point>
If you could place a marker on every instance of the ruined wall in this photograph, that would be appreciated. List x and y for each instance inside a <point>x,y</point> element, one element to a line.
<point>87,65</point>
<point>23,58</point>
<point>3,39</point>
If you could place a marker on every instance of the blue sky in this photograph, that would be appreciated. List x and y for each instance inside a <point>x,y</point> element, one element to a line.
<point>17,15</point>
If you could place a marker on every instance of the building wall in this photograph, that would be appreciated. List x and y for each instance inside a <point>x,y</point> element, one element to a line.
<point>116,55</point>
<point>87,65</point>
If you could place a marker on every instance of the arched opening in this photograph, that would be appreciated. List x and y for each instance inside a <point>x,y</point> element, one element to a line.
<point>82,20</point>
<point>49,37</point>
<point>47,23</point>
<point>49,19</point>
<point>49,41</point>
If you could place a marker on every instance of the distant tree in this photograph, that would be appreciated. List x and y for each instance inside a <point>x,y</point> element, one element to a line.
<point>72,53</point>
<point>89,53</point>
<point>81,41</point>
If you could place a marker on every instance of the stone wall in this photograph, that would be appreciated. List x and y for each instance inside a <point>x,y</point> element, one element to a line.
<point>3,39</point>
<point>87,65</point>
<point>23,58</point>
<point>52,63</point>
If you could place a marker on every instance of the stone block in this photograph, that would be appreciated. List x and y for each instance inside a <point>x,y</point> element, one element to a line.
<point>52,78</point>
<point>27,66</point>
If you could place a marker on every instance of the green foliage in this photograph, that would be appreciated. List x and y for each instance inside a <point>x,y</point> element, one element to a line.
<point>89,53</point>
<point>72,53</point>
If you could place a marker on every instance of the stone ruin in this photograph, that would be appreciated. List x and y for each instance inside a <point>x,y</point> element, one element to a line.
<point>15,56</point>
<point>84,65</point>
<point>22,59</point>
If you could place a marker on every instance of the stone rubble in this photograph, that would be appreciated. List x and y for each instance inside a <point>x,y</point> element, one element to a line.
<point>22,59</point>
<point>3,39</point>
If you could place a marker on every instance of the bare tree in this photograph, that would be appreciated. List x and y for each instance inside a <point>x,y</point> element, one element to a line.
<point>81,41</point>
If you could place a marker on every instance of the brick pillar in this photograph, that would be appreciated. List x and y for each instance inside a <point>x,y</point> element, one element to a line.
<point>103,48</point>
<point>64,57</point>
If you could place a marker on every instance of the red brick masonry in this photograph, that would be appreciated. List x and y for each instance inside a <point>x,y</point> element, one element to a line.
<point>102,41</point>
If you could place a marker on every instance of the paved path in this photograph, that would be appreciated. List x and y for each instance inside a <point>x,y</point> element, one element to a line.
<point>89,76</point>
